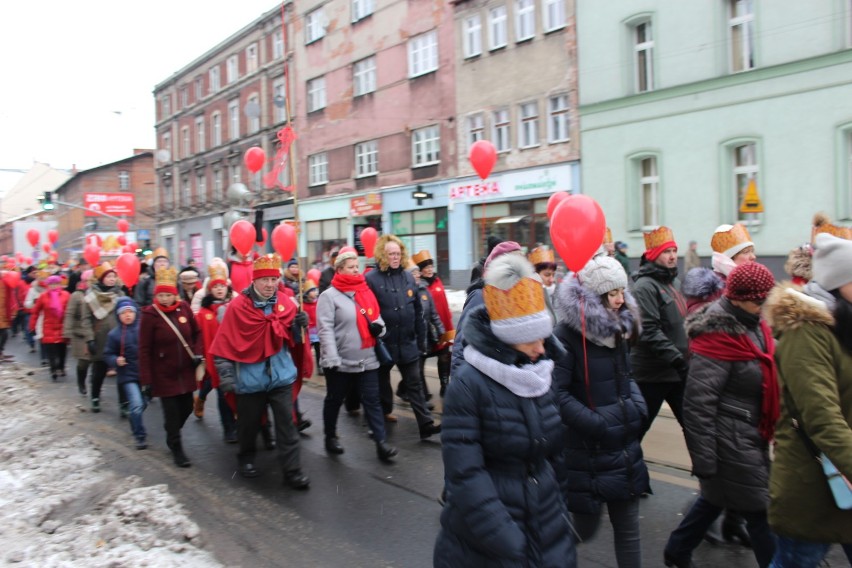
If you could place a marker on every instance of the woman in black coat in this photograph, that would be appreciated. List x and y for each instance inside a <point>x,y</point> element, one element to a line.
<point>502,433</point>
<point>601,404</point>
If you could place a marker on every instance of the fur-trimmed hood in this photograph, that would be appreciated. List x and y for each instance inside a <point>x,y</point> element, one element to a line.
<point>601,326</point>
<point>717,317</point>
<point>477,332</point>
<point>702,283</point>
<point>379,251</point>
<point>788,307</point>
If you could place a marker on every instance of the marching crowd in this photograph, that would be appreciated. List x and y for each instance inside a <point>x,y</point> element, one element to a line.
<point>548,389</point>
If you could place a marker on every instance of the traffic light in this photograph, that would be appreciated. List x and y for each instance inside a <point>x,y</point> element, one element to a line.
<point>47,201</point>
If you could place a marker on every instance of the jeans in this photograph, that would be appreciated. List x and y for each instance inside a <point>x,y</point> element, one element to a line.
<point>688,535</point>
<point>624,517</point>
<point>176,409</point>
<point>411,375</point>
<point>792,553</point>
<point>337,387</point>
<point>250,408</point>
<point>654,395</point>
<point>137,405</point>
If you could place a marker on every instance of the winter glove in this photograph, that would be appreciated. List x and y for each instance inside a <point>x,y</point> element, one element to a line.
<point>90,345</point>
<point>376,328</point>
<point>301,320</point>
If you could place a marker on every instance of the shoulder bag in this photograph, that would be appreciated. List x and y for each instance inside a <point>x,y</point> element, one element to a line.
<point>200,364</point>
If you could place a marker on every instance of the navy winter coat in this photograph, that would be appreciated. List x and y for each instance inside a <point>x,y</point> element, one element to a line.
<point>504,504</point>
<point>129,334</point>
<point>402,312</point>
<point>603,458</point>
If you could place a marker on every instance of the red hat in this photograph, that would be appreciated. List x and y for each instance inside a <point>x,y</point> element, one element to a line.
<point>749,282</point>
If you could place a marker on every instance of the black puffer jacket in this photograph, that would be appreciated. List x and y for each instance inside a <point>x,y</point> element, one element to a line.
<point>721,411</point>
<point>603,458</point>
<point>662,347</point>
<point>504,505</point>
<point>396,293</point>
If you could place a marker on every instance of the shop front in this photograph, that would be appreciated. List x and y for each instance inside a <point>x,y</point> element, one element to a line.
<point>199,238</point>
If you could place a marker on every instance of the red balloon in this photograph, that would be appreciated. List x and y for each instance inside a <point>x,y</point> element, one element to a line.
<point>482,157</point>
<point>242,236</point>
<point>284,240</point>
<point>314,274</point>
<point>28,259</point>
<point>122,240</point>
<point>53,236</point>
<point>262,243</point>
<point>122,225</point>
<point>554,200</point>
<point>92,254</point>
<point>128,248</point>
<point>368,239</point>
<point>33,236</point>
<point>12,278</point>
<point>577,230</point>
<point>127,266</point>
<point>45,247</point>
<point>254,159</point>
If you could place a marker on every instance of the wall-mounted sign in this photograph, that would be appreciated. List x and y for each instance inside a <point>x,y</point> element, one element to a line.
<point>535,181</point>
<point>115,204</point>
<point>366,205</point>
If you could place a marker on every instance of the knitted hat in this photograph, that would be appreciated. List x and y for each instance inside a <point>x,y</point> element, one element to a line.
<point>55,279</point>
<point>730,240</point>
<point>423,259</point>
<point>832,261</point>
<point>291,262</point>
<point>412,267</point>
<point>124,304</point>
<point>515,301</point>
<point>603,274</point>
<point>188,276</point>
<point>102,270</point>
<point>749,282</point>
<point>85,278</point>
<point>165,281</point>
<point>657,241</point>
<point>501,249</point>
<point>267,265</point>
<point>343,256</point>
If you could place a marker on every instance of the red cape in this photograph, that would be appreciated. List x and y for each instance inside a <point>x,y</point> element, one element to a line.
<point>442,306</point>
<point>246,335</point>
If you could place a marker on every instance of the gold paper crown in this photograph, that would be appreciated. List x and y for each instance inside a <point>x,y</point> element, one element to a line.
<point>42,274</point>
<point>99,271</point>
<point>421,256</point>
<point>724,240</point>
<point>523,299</point>
<point>308,285</point>
<point>268,262</point>
<point>160,251</point>
<point>607,236</point>
<point>657,237</point>
<point>166,277</point>
<point>540,255</point>
<point>831,229</point>
<point>217,272</point>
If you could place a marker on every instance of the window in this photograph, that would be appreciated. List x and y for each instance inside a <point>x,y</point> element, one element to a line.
<point>497,27</point>
<point>232,68</point>
<point>236,173</point>
<point>278,44</point>
<point>233,119</point>
<point>185,143</point>
<point>199,88</point>
<point>184,97</point>
<point>643,62</point>
<point>364,76</point>
<point>367,158</point>
<point>361,9</point>
<point>426,146</point>
<point>316,94</point>
<point>741,23</point>
<point>201,186</point>
<point>558,120</point>
<point>216,129</point>
<point>124,180</point>
<point>472,36</point>
<point>168,194</point>
<point>218,185</point>
<point>475,128</point>
<point>166,105</point>
<point>251,58</point>
<point>649,192</point>
<point>186,194</point>
<point>553,15</point>
<point>528,130</point>
<point>423,54</point>
<point>279,100</point>
<point>745,171</point>
<point>167,145</point>
<point>314,25</point>
<point>524,20</point>
<point>501,134</point>
<point>214,79</point>
<point>318,169</point>
<point>200,142</point>
<point>254,121</point>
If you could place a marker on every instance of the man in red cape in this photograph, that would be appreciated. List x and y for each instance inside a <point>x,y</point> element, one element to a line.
<point>252,355</point>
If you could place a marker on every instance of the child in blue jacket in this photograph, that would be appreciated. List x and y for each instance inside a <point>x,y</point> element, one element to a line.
<point>122,354</point>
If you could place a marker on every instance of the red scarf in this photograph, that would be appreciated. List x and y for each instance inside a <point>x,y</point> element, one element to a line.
<point>364,300</point>
<point>247,335</point>
<point>725,347</point>
<point>167,309</point>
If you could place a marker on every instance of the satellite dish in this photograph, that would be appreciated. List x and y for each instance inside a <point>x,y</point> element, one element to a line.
<point>163,155</point>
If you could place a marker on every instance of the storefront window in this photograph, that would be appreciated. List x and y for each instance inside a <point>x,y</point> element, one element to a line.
<point>425,229</point>
<point>323,238</point>
<point>522,221</point>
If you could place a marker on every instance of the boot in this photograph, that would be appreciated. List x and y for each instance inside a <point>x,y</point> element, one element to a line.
<point>734,529</point>
<point>385,452</point>
<point>198,406</point>
<point>96,405</point>
<point>332,446</point>
<point>178,456</point>
<point>302,423</point>
<point>266,434</point>
<point>296,479</point>
<point>81,383</point>
<point>444,382</point>
<point>429,430</point>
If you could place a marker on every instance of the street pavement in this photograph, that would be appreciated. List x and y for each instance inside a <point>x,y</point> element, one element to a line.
<point>358,511</point>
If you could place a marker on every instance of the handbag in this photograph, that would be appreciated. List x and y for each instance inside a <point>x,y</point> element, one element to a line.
<point>841,488</point>
<point>201,365</point>
<point>382,353</point>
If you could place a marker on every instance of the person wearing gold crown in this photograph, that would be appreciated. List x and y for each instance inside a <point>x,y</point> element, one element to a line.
<point>442,349</point>
<point>144,294</point>
<point>252,352</point>
<point>544,261</point>
<point>310,293</point>
<point>170,348</point>
<point>97,321</point>
<point>659,359</point>
<point>502,433</point>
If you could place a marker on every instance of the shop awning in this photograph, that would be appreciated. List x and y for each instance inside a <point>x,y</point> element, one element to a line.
<point>512,219</point>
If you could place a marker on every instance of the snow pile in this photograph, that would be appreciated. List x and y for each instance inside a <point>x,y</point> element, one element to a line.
<point>456,298</point>
<point>60,506</point>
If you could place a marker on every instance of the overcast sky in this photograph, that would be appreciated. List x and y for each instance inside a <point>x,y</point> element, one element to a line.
<point>78,76</point>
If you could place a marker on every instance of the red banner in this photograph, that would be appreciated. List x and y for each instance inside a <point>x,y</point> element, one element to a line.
<point>115,204</point>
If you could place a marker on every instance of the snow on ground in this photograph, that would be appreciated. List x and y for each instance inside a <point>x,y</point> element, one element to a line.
<point>60,505</point>
<point>456,300</point>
